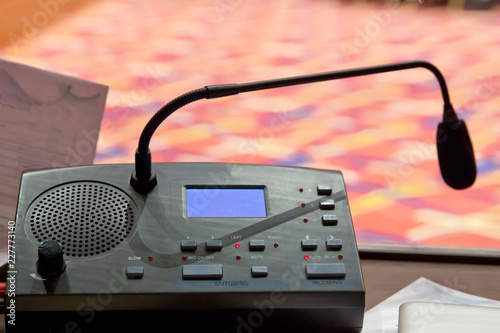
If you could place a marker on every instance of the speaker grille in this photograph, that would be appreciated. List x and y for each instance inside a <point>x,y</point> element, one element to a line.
<point>87,218</point>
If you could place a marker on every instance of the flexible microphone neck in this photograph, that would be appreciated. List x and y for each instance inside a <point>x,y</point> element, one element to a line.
<point>216,91</point>
<point>144,180</point>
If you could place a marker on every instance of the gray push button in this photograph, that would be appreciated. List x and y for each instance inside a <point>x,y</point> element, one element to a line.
<point>309,244</point>
<point>214,245</point>
<point>188,245</point>
<point>259,271</point>
<point>134,273</point>
<point>202,272</point>
<point>334,244</point>
<point>330,220</point>
<point>327,204</point>
<point>325,271</point>
<point>324,189</point>
<point>256,245</point>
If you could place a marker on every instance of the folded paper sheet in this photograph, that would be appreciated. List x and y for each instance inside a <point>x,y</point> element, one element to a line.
<point>383,318</point>
<point>48,121</point>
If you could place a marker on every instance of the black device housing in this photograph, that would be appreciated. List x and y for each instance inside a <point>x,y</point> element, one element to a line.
<point>125,269</point>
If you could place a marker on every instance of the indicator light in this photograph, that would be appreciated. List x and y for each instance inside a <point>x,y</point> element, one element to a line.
<point>150,258</point>
<point>238,257</point>
<point>303,205</point>
<point>341,256</point>
<point>306,256</point>
<point>301,190</point>
<point>306,220</point>
<point>237,245</point>
<point>276,245</point>
<point>184,257</point>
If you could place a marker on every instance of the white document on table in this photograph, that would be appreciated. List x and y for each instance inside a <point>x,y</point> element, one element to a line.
<point>383,318</point>
<point>48,120</point>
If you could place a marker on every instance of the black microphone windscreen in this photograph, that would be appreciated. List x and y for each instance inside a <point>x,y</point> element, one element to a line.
<point>456,155</point>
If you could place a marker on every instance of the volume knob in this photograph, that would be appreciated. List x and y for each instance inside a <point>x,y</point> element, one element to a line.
<point>50,259</point>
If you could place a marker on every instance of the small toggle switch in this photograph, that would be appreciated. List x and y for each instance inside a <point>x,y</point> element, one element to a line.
<point>329,219</point>
<point>256,245</point>
<point>134,273</point>
<point>328,204</point>
<point>188,245</point>
<point>324,189</point>
<point>259,271</point>
<point>334,244</point>
<point>214,245</point>
<point>309,244</point>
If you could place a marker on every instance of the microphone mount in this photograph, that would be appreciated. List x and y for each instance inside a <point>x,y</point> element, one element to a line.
<point>143,179</point>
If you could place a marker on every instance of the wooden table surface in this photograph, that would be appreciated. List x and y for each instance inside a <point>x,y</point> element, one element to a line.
<point>383,278</point>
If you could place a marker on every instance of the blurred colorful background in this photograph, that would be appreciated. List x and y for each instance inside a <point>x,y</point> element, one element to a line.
<point>378,130</point>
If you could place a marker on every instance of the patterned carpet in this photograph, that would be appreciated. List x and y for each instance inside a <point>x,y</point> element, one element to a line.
<point>378,130</point>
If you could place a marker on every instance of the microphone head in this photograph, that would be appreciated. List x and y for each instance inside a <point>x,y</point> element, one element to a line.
<point>455,153</point>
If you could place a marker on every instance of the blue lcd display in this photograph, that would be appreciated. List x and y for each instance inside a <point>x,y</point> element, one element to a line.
<point>232,202</point>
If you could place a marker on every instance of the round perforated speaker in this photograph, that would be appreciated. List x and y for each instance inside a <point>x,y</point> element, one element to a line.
<point>88,219</point>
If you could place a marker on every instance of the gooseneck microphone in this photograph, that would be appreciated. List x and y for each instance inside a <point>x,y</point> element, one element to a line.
<point>455,152</point>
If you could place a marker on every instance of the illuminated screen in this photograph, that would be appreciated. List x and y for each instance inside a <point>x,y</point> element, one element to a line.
<point>234,202</point>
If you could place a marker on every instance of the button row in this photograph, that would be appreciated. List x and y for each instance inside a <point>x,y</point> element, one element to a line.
<point>312,244</point>
<point>260,245</point>
<point>327,204</point>
<point>214,272</point>
<point>192,245</point>
<point>216,245</point>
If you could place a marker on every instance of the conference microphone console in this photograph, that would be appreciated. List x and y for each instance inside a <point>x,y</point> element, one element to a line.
<point>217,247</point>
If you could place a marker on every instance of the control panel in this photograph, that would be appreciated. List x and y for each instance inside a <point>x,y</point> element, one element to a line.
<point>213,247</point>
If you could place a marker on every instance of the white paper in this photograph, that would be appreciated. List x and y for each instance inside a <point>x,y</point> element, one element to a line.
<point>48,120</point>
<point>383,318</point>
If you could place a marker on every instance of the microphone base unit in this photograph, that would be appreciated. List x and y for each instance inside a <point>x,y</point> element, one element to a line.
<point>212,248</point>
